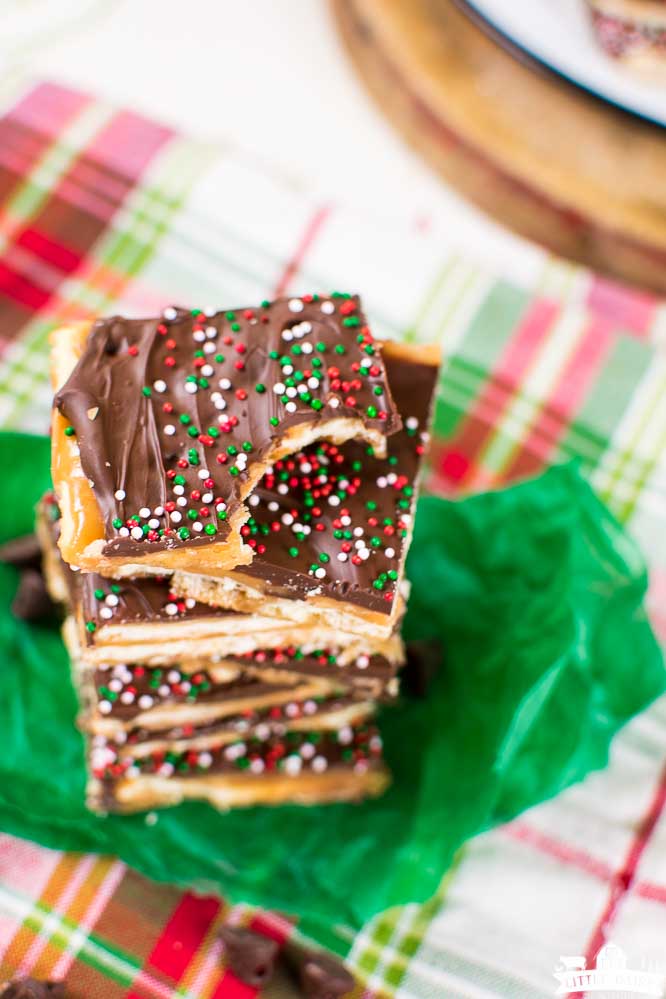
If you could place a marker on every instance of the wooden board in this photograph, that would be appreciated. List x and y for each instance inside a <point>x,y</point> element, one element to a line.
<point>548,160</point>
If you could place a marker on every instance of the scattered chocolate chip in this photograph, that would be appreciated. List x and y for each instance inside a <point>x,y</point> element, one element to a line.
<point>424,658</point>
<point>30,988</point>
<point>23,553</point>
<point>324,977</point>
<point>251,956</point>
<point>32,601</point>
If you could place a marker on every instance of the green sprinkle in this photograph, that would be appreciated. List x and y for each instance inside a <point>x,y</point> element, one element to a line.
<point>117,522</point>
<point>324,557</point>
<point>273,354</point>
<point>378,390</point>
<point>115,588</point>
<point>196,312</point>
<point>230,316</point>
<point>260,388</point>
<point>296,349</point>
<point>375,542</point>
<point>247,447</point>
<point>213,432</point>
<point>372,412</point>
<point>274,421</point>
<point>99,594</point>
<point>185,419</point>
<point>179,480</point>
<point>183,533</point>
<point>193,432</point>
<point>222,514</point>
<point>219,358</point>
<point>235,327</point>
<point>265,304</point>
<point>232,450</point>
<point>91,626</point>
<point>192,514</point>
<point>316,362</point>
<point>371,505</point>
<point>293,552</point>
<point>317,404</point>
<point>321,347</point>
<point>203,383</point>
<point>146,390</point>
<point>339,349</point>
<point>210,529</point>
<point>69,431</point>
<point>392,575</point>
<point>351,321</point>
<point>234,471</point>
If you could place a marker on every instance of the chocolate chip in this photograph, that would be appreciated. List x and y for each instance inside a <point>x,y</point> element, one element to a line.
<point>32,601</point>
<point>30,988</point>
<point>424,658</point>
<point>251,956</point>
<point>324,977</point>
<point>23,552</point>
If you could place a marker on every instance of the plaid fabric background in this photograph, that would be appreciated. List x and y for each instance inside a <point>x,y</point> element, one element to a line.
<point>102,210</point>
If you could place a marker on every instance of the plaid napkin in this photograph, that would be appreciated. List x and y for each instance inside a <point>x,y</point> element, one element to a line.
<point>103,210</point>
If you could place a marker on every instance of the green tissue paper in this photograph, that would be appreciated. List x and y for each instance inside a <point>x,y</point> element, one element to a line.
<point>536,593</point>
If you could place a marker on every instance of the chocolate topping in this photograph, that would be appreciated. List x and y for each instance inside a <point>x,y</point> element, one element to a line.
<point>173,415</point>
<point>23,552</point>
<point>336,520</point>
<point>251,956</point>
<point>32,601</point>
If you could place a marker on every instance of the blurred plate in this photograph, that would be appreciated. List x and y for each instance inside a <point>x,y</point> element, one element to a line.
<point>559,35</point>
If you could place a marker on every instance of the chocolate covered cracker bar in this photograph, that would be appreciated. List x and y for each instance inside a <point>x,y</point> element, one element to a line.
<point>331,525</point>
<point>162,427</point>
<point>633,32</point>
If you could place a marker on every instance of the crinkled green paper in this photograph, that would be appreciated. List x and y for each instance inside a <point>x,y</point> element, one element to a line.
<point>536,592</point>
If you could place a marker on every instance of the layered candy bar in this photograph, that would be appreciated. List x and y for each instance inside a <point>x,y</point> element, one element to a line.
<point>162,427</point>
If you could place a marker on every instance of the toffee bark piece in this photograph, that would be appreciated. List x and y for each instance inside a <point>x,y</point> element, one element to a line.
<point>322,976</point>
<point>32,601</point>
<point>251,956</point>
<point>333,524</point>
<point>22,553</point>
<point>164,426</point>
<point>30,988</point>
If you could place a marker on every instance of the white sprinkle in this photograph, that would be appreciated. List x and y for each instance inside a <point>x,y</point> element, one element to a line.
<point>163,690</point>
<point>120,494</point>
<point>366,362</point>
<point>197,527</point>
<point>158,511</point>
<point>345,735</point>
<point>145,701</point>
<point>389,552</point>
<point>209,348</point>
<point>288,369</point>
<point>292,710</point>
<point>292,765</point>
<point>181,501</point>
<point>291,407</point>
<point>273,506</point>
<point>358,532</point>
<point>151,818</point>
<point>319,763</point>
<point>287,335</point>
<point>334,402</point>
<point>342,556</point>
<point>116,686</point>
<point>207,370</point>
<point>153,523</point>
<point>257,766</point>
<point>391,478</point>
<point>305,467</point>
<point>166,770</point>
<point>291,392</point>
<point>179,490</point>
<point>106,613</point>
<point>171,609</point>
<point>345,520</point>
<point>361,767</point>
<point>137,533</point>
<point>111,600</point>
<point>306,347</point>
<point>186,686</point>
<point>105,707</point>
<point>127,697</point>
<point>295,305</point>
<point>283,488</point>
<point>220,506</point>
<point>254,500</point>
<point>411,423</point>
<point>173,676</point>
<point>169,430</point>
<point>207,498</point>
<point>124,532</point>
<point>313,383</point>
<point>176,516</point>
<point>262,731</point>
<point>191,387</point>
<point>235,751</point>
<point>211,332</point>
<point>382,482</point>
<point>364,553</point>
<point>363,662</point>
<point>190,603</point>
<point>159,385</point>
<point>334,500</point>
<point>302,388</point>
<point>220,404</point>
<point>198,336</point>
<point>310,708</point>
<point>203,473</point>
<point>170,312</point>
<point>320,573</point>
<point>327,308</point>
<point>375,742</point>
<point>204,759</point>
<point>224,384</point>
<point>279,388</point>
<point>144,512</point>
<point>307,751</point>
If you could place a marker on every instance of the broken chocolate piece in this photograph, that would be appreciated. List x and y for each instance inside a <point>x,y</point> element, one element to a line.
<point>32,601</point>
<point>22,553</point>
<point>30,988</point>
<point>324,977</point>
<point>251,956</point>
<point>424,657</point>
